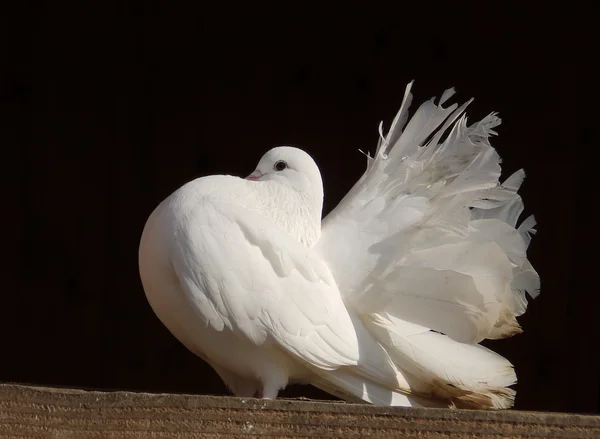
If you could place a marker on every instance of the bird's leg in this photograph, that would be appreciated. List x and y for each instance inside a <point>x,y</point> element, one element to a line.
<point>273,379</point>
<point>269,392</point>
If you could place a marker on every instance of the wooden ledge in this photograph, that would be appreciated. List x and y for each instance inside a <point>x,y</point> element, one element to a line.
<point>27,411</point>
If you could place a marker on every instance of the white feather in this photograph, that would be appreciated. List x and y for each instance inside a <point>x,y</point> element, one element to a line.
<point>383,302</point>
<point>467,375</point>
<point>459,267</point>
<point>225,281</point>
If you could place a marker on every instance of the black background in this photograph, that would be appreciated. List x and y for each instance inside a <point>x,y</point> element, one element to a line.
<point>108,109</point>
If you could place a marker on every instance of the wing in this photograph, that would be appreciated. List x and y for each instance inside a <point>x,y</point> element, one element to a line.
<point>432,233</point>
<point>243,274</point>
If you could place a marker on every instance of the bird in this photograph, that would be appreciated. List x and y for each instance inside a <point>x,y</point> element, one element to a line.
<point>386,300</point>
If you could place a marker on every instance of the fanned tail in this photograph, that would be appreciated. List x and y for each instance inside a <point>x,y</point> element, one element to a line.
<point>439,246</point>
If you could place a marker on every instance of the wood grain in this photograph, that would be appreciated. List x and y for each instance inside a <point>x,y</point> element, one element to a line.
<point>39,412</point>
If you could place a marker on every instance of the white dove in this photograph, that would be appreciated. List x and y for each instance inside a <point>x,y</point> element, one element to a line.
<point>385,301</point>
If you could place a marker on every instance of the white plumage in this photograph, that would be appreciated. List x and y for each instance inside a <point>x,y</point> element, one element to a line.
<point>384,301</point>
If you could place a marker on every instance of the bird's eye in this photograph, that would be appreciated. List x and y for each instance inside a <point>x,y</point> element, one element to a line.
<point>280,165</point>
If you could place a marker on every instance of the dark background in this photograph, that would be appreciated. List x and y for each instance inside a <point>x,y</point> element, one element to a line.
<point>108,110</point>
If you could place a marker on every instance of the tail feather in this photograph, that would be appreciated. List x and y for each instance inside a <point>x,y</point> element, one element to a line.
<point>425,368</point>
<point>435,229</point>
<point>350,386</point>
<point>462,374</point>
<point>438,246</point>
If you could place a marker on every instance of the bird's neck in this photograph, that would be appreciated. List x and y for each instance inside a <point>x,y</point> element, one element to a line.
<point>297,213</point>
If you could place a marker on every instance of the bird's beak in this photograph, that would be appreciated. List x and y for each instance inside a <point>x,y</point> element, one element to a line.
<point>254,176</point>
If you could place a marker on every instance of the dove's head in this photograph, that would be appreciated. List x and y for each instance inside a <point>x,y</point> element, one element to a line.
<point>293,191</point>
<point>291,167</point>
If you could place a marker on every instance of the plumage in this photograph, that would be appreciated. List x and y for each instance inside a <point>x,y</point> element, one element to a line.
<point>384,301</point>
